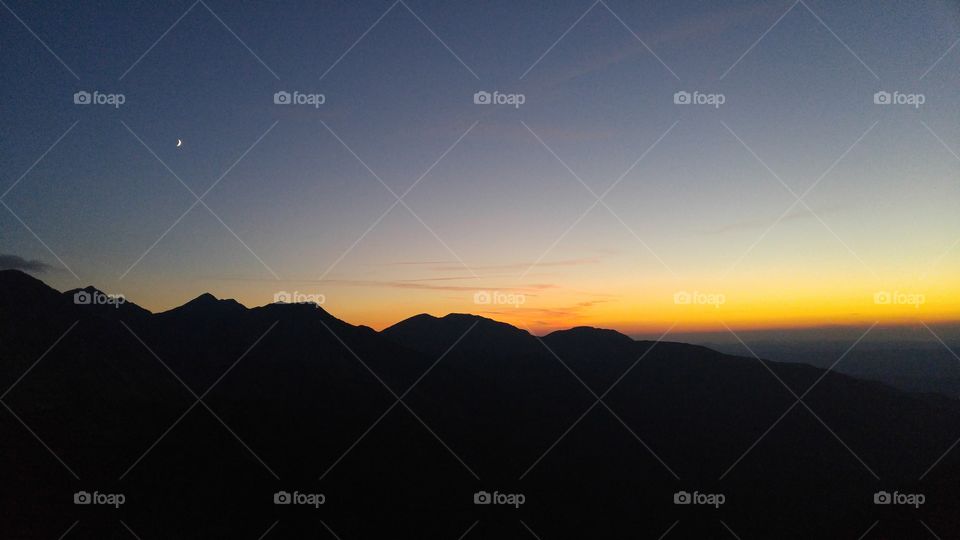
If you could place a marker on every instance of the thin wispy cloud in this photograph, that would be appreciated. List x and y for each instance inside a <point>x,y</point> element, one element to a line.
<point>15,262</point>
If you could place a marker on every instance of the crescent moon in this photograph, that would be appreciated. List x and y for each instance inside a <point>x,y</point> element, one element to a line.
<point>179,143</point>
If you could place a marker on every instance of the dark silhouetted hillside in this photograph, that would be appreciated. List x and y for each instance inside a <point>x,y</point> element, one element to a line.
<point>295,399</point>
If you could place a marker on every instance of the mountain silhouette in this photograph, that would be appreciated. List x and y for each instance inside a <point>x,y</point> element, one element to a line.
<point>400,428</point>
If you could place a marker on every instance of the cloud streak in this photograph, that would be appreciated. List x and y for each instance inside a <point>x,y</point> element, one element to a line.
<point>15,262</point>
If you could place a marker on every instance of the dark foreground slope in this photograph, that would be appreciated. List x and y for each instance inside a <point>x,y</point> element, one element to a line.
<point>200,414</point>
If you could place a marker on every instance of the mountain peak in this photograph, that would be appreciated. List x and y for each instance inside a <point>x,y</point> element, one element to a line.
<point>435,335</point>
<point>590,332</point>
<point>207,303</point>
<point>12,277</point>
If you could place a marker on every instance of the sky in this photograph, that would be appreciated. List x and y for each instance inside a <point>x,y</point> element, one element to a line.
<point>781,196</point>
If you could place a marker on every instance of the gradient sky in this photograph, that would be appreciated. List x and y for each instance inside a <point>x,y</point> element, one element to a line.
<point>701,212</point>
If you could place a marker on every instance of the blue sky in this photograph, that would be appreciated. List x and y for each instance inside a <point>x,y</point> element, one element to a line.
<point>505,187</point>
